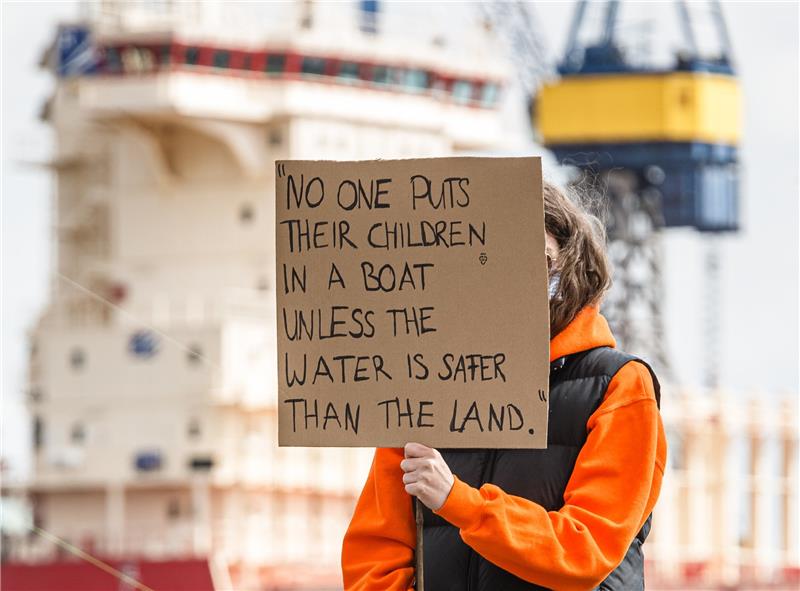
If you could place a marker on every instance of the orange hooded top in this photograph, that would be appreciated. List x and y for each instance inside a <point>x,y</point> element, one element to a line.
<point>613,488</point>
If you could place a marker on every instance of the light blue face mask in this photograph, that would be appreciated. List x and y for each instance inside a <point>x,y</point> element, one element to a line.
<point>552,286</point>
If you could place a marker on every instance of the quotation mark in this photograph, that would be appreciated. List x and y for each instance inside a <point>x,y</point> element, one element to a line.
<point>542,396</point>
<point>483,258</point>
<point>281,169</point>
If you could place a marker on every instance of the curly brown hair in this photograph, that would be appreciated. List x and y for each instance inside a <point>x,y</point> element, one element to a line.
<point>585,272</point>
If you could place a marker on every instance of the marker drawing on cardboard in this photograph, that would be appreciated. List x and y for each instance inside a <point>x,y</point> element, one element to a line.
<point>412,303</point>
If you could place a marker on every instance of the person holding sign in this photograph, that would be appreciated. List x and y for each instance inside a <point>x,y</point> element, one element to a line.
<point>569,517</point>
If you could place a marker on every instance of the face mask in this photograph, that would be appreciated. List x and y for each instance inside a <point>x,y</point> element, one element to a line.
<point>552,286</point>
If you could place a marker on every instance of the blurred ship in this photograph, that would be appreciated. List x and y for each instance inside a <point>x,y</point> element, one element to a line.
<point>727,517</point>
<point>152,385</point>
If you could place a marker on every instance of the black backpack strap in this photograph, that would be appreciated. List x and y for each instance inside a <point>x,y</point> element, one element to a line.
<point>656,384</point>
<point>606,360</point>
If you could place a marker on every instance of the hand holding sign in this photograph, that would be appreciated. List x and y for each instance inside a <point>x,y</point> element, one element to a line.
<point>427,476</point>
<point>412,303</point>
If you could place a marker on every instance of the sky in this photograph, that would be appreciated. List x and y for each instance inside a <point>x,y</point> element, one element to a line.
<point>758,300</point>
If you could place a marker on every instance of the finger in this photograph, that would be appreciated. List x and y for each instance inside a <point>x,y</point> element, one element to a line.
<point>415,488</point>
<point>417,450</point>
<point>410,477</point>
<point>412,464</point>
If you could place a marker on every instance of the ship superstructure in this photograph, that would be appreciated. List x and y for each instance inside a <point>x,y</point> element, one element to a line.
<point>152,371</point>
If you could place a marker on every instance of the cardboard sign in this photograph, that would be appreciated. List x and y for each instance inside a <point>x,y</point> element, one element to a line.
<point>412,303</point>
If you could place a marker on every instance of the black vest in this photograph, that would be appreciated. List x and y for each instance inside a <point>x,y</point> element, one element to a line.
<point>577,385</point>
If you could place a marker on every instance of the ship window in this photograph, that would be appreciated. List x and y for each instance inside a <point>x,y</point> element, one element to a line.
<point>275,137</point>
<point>383,75</point>
<point>222,58</point>
<point>143,344</point>
<point>349,70</point>
<point>165,56</point>
<point>462,91</point>
<point>192,55</point>
<point>416,79</point>
<point>173,509</point>
<point>201,463</point>
<point>113,61</point>
<point>193,430</point>
<point>314,66</point>
<point>78,433</point>
<point>38,432</point>
<point>275,63</point>
<point>77,358</point>
<point>489,94</point>
<point>246,213</point>
<point>137,60</point>
<point>147,461</point>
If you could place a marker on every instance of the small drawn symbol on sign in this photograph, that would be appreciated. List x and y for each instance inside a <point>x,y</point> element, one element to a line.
<point>281,169</point>
<point>483,258</point>
<point>542,396</point>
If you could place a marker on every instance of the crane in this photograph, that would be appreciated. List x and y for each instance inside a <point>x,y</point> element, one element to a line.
<point>662,142</point>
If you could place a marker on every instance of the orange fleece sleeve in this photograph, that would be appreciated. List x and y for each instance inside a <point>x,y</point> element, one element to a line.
<point>612,490</point>
<point>378,547</point>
